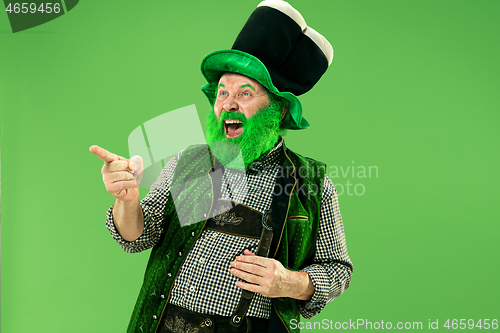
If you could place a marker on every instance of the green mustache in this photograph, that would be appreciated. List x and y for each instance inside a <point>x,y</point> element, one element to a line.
<point>260,134</point>
<point>233,115</point>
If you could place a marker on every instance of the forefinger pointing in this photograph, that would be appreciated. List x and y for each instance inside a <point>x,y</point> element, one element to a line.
<point>103,154</point>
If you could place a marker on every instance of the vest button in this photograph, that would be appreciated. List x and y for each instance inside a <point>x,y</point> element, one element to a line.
<point>155,317</point>
<point>180,254</point>
<point>169,275</point>
<point>162,296</point>
<point>208,322</point>
<point>193,233</point>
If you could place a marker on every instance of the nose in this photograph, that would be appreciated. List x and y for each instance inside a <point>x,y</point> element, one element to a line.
<point>230,104</point>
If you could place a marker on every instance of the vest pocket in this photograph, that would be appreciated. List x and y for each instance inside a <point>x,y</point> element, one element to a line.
<point>297,218</point>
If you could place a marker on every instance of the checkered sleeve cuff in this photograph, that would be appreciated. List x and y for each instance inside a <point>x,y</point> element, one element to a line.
<point>140,244</point>
<point>110,224</point>
<point>321,283</point>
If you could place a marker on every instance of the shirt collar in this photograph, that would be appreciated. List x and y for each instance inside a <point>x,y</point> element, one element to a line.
<point>269,159</point>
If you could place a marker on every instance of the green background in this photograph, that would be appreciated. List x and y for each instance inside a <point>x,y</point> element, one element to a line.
<point>413,90</point>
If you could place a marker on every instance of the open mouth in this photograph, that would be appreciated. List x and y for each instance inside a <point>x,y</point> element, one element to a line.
<point>233,128</point>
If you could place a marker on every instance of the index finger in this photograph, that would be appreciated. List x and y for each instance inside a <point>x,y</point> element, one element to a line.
<point>103,154</point>
<point>257,260</point>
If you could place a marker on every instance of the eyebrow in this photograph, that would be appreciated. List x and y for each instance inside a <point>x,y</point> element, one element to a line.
<point>247,86</point>
<point>221,85</point>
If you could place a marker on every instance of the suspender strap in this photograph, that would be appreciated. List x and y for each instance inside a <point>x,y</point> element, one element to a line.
<point>247,296</point>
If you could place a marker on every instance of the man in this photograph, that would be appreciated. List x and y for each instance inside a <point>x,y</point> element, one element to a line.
<point>245,233</point>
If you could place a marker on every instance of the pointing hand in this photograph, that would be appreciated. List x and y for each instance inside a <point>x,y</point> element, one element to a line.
<point>121,176</point>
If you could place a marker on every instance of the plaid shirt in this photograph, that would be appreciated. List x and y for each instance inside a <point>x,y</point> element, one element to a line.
<point>205,284</point>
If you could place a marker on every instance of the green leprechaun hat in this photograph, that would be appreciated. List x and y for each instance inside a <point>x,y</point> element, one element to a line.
<point>278,49</point>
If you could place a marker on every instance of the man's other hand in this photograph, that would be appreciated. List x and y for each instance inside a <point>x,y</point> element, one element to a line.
<point>268,277</point>
<point>118,174</point>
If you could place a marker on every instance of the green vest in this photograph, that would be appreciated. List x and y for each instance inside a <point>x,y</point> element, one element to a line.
<point>295,215</point>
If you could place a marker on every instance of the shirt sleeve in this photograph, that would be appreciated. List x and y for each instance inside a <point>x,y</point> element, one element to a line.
<point>331,270</point>
<point>153,209</point>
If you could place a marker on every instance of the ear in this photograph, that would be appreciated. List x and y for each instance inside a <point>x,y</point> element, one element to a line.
<point>284,109</point>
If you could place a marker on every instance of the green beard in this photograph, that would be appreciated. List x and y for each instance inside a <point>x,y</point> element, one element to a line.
<point>260,134</point>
